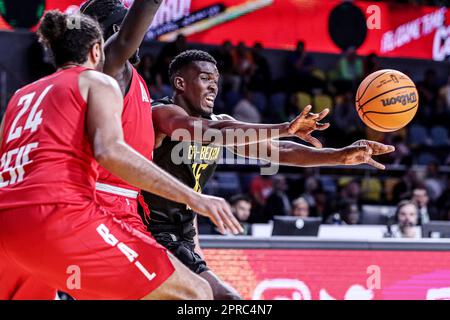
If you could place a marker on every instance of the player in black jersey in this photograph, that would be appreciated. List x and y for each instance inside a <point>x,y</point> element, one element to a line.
<point>194,77</point>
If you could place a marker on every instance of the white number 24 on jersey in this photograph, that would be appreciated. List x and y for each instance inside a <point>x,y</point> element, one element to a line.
<point>34,117</point>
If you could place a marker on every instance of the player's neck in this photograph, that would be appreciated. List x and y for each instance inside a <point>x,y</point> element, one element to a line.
<point>181,102</point>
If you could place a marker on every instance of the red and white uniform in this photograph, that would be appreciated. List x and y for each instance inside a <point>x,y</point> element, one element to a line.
<point>53,234</point>
<point>113,193</point>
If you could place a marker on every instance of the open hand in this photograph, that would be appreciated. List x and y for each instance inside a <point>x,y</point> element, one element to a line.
<point>219,211</point>
<point>362,151</point>
<point>306,123</point>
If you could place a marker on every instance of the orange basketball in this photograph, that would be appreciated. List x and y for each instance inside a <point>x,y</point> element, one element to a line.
<point>387,100</point>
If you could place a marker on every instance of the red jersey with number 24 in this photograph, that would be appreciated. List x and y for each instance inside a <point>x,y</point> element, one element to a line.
<point>45,153</point>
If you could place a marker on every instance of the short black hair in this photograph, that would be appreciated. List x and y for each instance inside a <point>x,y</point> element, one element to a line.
<point>66,41</point>
<point>239,197</point>
<point>187,57</point>
<point>106,12</point>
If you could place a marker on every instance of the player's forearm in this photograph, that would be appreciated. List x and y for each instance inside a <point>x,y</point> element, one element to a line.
<point>197,248</point>
<point>124,44</point>
<point>124,162</point>
<point>238,133</point>
<point>294,154</point>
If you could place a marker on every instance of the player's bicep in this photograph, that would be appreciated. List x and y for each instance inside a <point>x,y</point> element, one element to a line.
<point>175,122</point>
<point>104,114</point>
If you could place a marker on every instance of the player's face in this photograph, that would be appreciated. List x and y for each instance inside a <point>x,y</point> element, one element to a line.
<point>201,86</point>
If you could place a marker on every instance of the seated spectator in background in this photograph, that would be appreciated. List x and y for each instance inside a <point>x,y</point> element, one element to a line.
<point>350,69</point>
<point>433,181</point>
<point>428,95</point>
<point>346,123</point>
<point>241,205</point>
<point>427,211</point>
<point>260,189</point>
<point>403,189</point>
<point>350,66</point>
<point>244,64</point>
<point>152,78</point>
<point>371,64</point>
<point>245,111</point>
<point>402,153</point>
<point>278,202</point>
<point>260,75</point>
<point>300,208</point>
<point>226,60</point>
<point>166,55</point>
<point>444,201</point>
<point>350,212</point>
<point>299,68</point>
<point>407,217</point>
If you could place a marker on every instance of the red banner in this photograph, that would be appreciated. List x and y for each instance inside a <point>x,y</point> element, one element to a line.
<point>334,274</point>
<point>393,30</point>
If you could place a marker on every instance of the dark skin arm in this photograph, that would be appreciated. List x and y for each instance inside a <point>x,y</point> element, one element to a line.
<point>121,46</point>
<point>104,129</point>
<point>295,154</point>
<point>168,119</point>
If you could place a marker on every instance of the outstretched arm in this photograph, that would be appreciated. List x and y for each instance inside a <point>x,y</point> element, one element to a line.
<point>294,154</point>
<point>174,121</point>
<point>105,133</point>
<point>122,45</point>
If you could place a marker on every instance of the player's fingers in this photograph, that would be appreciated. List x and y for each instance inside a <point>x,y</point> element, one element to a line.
<point>217,220</point>
<point>315,142</point>
<point>323,114</point>
<point>380,148</point>
<point>322,126</point>
<point>230,221</point>
<point>306,111</point>
<point>375,164</point>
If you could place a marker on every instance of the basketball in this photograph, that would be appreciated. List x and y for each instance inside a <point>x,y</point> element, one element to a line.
<point>387,100</point>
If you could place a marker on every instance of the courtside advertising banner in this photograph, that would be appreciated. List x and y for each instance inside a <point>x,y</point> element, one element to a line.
<point>389,30</point>
<point>294,274</point>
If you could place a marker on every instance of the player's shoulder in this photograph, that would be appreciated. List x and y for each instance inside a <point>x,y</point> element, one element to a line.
<point>98,79</point>
<point>222,116</point>
<point>162,102</point>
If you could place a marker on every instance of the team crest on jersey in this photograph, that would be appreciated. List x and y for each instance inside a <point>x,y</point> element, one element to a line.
<point>144,93</point>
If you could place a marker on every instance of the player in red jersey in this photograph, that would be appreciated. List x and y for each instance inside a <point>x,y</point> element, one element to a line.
<point>121,50</point>
<point>53,134</point>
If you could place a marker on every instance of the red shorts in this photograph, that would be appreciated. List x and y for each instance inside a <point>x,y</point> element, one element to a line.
<point>122,207</point>
<point>82,250</point>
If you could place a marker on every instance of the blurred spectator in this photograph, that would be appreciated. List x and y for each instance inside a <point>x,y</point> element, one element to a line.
<point>403,189</point>
<point>278,202</point>
<point>244,64</point>
<point>312,185</point>
<point>260,76</point>
<point>260,188</point>
<point>444,201</point>
<point>407,216</point>
<point>371,64</point>
<point>348,213</point>
<point>300,208</point>
<point>152,78</point>
<point>426,211</point>
<point>346,124</point>
<point>351,191</point>
<point>245,111</point>
<point>226,57</point>
<point>168,52</point>
<point>402,153</point>
<point>433,181</point>
<point>299,68</point>
<point>428,93</point>
<point>350,70</point>
<point>241,205</point>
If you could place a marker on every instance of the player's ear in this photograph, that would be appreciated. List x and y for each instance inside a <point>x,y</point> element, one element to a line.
<point>96,52</point>
<point>179,83</point>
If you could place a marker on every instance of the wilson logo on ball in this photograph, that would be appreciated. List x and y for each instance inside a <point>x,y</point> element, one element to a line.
<point>403,99</point>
